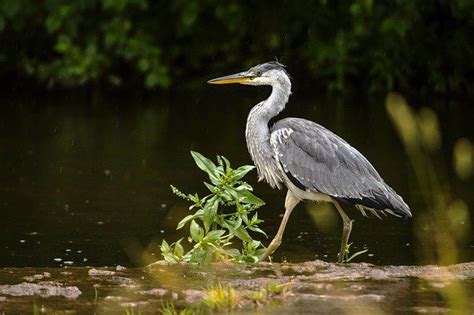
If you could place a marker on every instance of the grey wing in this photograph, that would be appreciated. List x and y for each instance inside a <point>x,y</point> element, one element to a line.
<point>315,159</point>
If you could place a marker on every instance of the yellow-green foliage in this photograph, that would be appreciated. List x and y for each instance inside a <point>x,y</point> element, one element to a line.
<point>221,297</point>
<point>442,221</point>
<point>168,308</point>
<point>275,288</point>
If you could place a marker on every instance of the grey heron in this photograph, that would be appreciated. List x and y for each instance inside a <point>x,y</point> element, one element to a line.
<point>312,162</point>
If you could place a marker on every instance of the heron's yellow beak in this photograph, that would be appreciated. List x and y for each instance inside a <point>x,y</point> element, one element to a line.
<point>241,77</point>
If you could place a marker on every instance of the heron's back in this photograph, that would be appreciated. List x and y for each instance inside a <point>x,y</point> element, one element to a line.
<point>317,160</point>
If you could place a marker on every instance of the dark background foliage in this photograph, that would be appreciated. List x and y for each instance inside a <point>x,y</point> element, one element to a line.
<point>422,47</point>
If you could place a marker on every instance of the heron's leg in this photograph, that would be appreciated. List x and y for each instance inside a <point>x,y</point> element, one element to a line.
<point>346,231</point>
<point>290,202</point>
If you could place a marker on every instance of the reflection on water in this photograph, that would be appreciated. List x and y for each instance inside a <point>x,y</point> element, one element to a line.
<point>88,184</point>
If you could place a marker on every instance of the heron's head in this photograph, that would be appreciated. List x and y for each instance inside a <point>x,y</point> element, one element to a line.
<point>269,73</point>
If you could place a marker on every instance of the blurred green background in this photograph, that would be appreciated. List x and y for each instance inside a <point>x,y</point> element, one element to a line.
<point>422,48</point>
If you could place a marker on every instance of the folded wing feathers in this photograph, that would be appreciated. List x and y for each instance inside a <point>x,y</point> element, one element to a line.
<point>325,163</point>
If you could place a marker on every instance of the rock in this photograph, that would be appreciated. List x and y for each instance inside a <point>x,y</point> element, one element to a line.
<point>154,292</point>
<point>99,272</point>
<point>193,296</point>
<point>33,277</point>
<point>47,289</point>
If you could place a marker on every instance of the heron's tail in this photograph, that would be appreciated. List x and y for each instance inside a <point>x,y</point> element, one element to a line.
<point>397,206</point>
<point>380,200</point>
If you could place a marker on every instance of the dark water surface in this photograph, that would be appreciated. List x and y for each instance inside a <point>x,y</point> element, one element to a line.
<point>87,183</point>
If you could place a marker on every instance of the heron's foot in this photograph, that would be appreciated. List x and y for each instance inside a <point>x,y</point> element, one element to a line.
<point>270,249</point>
<point>342,256</point>
<point>346,232</point>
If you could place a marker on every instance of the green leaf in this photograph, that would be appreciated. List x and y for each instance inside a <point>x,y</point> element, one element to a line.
<point>170,258</point>
<point>244,186</point>
<point>258,230</point>
<point>214,235</point>
<point>242,234</point>
<point>178,249</point>
<point>251,198</point>
<point>226,163</point>
<point>237,223</point>
<point>255,220</point>
<point>194,231</point>
<point>233,252</point>
<point>165,248</point>
<point>210,187</point>
<point>242,171</point>
<point>210,212</point>
<point>355,255</point>
<point>194,198</point>
<point>186,220</point>
<point>206,165</point>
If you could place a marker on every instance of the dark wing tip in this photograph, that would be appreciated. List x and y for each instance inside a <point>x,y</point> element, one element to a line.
<point>406,216</point>
<point>397,207</point>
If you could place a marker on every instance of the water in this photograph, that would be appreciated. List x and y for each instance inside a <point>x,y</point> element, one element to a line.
<point>87,182</point>
<point>314,287</point>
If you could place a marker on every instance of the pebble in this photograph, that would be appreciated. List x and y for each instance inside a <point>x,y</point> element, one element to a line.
<point>98,272</point>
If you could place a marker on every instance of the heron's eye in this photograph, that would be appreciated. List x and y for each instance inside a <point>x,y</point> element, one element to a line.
<point>258,73</point>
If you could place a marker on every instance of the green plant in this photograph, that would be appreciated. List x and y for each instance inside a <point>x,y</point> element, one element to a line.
<point>274,287</point>
<point>168,308</point>
<point>226,214</point>
<point>258,296</point>
<point>348,258</point>
<point>221,297</point>
<point>131,311</point>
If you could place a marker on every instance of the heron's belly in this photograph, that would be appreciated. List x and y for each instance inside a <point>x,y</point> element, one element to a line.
<point>307,195</point>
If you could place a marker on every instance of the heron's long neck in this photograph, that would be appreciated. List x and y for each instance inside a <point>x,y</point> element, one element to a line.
<point>257,132</point>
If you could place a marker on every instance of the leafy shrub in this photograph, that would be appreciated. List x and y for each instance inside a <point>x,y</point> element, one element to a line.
<point>223,216</point>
